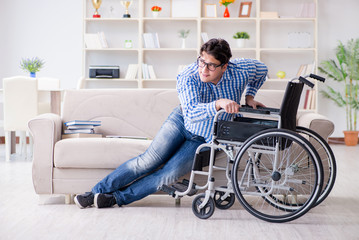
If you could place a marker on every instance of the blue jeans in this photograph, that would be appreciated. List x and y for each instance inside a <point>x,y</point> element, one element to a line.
<point>172,149</point>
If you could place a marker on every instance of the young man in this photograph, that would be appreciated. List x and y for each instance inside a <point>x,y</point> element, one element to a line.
<point>211,83</point>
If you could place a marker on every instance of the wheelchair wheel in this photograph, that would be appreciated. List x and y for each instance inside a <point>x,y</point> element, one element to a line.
<point>277,175</point>
<point>205,212</point>
<point>226,203</point>
<point>326,156</point>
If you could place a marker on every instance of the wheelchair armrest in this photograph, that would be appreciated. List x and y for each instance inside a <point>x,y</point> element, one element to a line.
<point>259,110</point>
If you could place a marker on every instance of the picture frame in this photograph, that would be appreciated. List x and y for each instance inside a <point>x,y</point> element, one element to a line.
<point>210,10</point>
<point>245,9</point>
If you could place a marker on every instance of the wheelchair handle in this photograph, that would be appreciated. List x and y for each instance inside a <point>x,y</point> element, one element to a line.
<point>307,82</point>
<point>319,78</point>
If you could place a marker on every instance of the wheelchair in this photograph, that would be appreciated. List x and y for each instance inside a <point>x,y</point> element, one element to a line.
<point>277,171</point>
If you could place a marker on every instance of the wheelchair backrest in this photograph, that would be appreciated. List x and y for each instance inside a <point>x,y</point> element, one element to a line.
<point>289,106</point>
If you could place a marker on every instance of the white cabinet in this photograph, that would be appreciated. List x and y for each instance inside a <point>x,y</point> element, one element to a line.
<point>269,38</point>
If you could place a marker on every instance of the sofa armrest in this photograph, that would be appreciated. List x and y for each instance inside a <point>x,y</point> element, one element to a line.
<point>318,123</point>
<point>46,131</point>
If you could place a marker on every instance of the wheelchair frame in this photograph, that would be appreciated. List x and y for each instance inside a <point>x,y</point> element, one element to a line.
<point>276,174</point>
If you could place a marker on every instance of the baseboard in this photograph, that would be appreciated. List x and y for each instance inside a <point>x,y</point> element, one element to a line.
<point>2,140</point>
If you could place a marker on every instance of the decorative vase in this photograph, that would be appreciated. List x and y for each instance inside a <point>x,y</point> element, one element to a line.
<point>155,14</point>
<point>351,138</point>
<point>226,13</point>
<point>241,42</point>
<point>33,74</point>
<point>183,43</point>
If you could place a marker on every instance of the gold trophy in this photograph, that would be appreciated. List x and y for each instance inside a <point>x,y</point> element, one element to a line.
<point>126,4</point>
<point>96,4</point>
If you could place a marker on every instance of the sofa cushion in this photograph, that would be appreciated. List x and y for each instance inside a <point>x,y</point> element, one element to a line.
<point>102,153</point>
<point>131,112</point>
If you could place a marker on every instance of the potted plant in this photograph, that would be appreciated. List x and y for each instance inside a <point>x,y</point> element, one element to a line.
<point>241,38</point>
<point>345,69</point>
<point>183,34</point>
<point>32,65</point>
<point>156,11</point>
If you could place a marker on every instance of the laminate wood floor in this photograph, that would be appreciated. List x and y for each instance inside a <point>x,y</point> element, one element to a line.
<point>157,217</point>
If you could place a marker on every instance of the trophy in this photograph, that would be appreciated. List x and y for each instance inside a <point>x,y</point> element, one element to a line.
<point>126,4</point>
<point>96,4</point>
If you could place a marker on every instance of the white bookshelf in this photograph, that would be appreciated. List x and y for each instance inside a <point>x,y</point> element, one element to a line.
<point>268,42</point>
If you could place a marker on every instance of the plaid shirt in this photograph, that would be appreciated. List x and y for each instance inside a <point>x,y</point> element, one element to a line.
<point>198,98</point>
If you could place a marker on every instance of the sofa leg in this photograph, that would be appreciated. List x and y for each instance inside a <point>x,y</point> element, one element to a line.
<point>69,199</point>
<point>45,199</point>
<point>178,202</point>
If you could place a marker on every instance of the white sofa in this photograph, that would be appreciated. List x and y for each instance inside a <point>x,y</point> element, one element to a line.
<point>75,165</point>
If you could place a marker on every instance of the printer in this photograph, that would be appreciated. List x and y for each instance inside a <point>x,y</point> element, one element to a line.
<point>104,71</point>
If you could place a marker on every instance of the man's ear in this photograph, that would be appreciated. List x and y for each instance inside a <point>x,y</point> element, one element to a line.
<point>224,67</point>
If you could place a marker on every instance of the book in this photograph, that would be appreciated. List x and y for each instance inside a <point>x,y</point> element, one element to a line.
<point>82,135</point>
<point>85,130</point>
<point>92,41</point>
<point>306,10</point>
<point>131,71</point>
<point>301,70</point>
<point>151,72</point>
<point>101,36</point>
<point>145,72</point>
<point>309,99</point>
<point>83,122</point>
<point>313,100</point>
<point>80,126</point>
<point>269,14</point>
<point>151,40</point>
<point>306,94</point>
<point>156,40</point>
<point>128,137</point>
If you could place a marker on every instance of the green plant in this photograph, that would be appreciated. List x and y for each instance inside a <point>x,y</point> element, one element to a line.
<point>183,33</point>
<point>344,69</point>
<point>239,35</point>
<point>32,65</point>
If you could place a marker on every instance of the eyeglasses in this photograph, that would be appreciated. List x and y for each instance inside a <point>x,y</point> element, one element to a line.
<point>210,66</point>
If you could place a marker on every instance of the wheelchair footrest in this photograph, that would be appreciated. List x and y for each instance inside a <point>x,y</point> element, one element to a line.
<point>180,187</point>
<point>168,189</point>
<point>183,186</point>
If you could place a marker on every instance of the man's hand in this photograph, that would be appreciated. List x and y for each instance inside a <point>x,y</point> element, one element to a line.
<point>228,105</point>
<point>253,103</point>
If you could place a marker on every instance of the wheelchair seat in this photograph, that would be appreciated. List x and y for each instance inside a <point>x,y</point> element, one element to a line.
<point>242,127</point>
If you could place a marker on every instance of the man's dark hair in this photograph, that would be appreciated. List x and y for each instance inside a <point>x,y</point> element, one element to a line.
<point>218,48</point>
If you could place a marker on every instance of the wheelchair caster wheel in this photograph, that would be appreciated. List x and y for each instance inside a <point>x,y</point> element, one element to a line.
<point>226,203</point>
<point>207,211</point>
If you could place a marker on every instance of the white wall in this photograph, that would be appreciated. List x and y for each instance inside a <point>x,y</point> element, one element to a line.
<point>52,30</point>
<point>337,22</point>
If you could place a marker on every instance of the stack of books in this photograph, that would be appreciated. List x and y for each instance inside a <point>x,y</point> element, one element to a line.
<point>80,128</point>
<point>148,72</point>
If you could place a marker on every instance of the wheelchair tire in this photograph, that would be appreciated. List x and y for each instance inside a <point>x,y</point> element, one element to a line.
<point>226,203</point>
<point>327,158</point>
<point>205,212</point>
<point>283,192</point>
